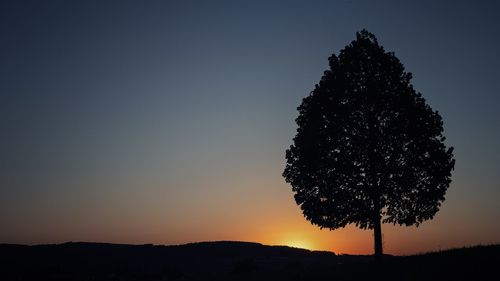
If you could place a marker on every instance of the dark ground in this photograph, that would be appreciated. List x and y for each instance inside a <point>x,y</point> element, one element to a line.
<point>234,261</point>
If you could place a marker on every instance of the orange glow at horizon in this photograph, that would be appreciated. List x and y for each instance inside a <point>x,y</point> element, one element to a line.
<point>240,215</point>
<point>298,244</point>
<point>167,122</point>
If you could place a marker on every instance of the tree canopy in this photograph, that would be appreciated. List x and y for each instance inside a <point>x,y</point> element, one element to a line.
<point>368,147</point>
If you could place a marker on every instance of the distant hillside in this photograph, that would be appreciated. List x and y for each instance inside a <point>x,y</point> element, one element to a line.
<point>195,261</point>
<point>231,261</point>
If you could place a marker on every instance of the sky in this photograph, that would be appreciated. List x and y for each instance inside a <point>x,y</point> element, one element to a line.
<point>167,122</point>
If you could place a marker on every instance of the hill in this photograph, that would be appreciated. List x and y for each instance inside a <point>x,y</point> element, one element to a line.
<point>227,260</point>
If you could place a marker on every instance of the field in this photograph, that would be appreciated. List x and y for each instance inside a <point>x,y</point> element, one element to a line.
<point>234,261</point>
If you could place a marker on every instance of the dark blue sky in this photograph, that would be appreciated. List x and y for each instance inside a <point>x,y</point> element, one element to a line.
<point>155,117</point>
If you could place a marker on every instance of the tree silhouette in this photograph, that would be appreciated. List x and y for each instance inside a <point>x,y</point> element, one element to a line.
<point>368,149</point>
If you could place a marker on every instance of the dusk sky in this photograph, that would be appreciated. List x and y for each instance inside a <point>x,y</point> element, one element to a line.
<point>167,122</point>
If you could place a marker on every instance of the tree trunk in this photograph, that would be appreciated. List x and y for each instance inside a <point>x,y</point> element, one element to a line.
<point>377,229</point>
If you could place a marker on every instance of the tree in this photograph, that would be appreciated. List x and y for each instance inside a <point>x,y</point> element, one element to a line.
<point>368,149</point>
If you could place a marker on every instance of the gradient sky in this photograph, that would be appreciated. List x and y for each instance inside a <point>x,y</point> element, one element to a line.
<point>167,122</point>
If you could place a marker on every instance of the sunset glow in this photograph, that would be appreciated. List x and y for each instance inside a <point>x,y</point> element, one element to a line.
<point>167,122</point>
<point>298,244</point>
